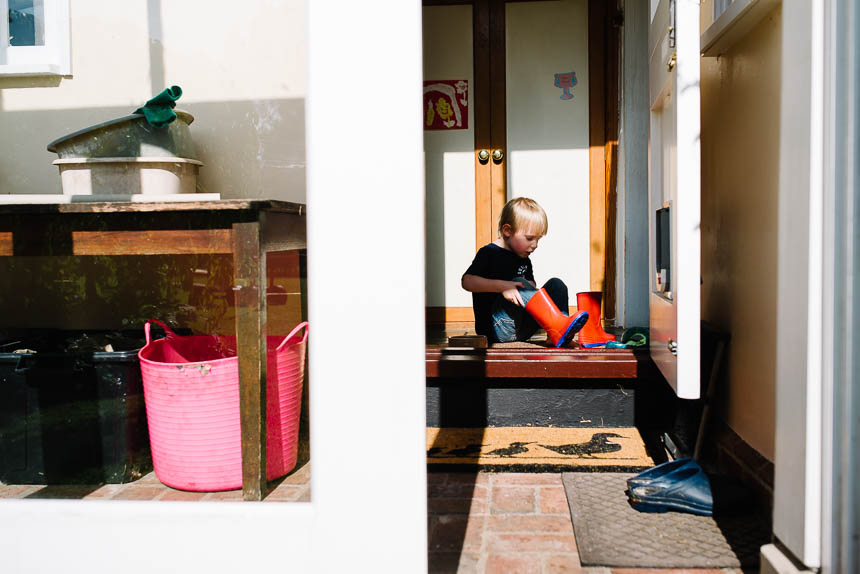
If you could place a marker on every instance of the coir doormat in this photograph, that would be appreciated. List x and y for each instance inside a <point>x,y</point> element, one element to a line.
<point>537,449</point>
<point>610,532</point>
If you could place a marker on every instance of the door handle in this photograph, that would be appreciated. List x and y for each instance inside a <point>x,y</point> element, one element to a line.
<point>483,156</point>
<point>673,346</point>
<point>498,155</point>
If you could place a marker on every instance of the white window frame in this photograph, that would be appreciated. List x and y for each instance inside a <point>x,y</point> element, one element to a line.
<point>367,514</point>
<point>733,19</point>
<point>51,59</point>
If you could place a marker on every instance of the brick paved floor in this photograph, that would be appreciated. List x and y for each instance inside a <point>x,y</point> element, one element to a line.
<point>484,523</point>
<point>507,523</point>
<point>295,487</point>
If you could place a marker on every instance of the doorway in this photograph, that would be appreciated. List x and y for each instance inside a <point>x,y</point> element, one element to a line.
<point>529,90</point>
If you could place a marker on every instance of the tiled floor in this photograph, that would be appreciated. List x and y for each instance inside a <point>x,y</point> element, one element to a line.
<point>294,487</point>
<point>478,523</point>
<point>507,523</point>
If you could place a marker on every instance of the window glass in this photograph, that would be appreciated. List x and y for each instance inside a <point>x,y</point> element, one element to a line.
<point>720,6</point>
<point>26,22</point>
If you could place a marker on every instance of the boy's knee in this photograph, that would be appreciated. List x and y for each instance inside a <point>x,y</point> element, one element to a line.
<point>555,284</point>
<point>523,281</point>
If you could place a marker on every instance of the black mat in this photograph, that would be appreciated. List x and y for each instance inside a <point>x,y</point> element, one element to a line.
<point>609,532</point>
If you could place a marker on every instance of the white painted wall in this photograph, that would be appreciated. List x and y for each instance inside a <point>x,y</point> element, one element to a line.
<point>797,480</point>
<point>449,161</point>
<point>740,206</point>
<point>242,70</point>
<point>547,137</point>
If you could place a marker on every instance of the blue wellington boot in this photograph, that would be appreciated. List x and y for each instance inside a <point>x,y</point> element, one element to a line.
<point>685,490</point>
<point>661,472</point>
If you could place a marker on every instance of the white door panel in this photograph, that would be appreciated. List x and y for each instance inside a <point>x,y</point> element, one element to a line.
<point>674,189</point>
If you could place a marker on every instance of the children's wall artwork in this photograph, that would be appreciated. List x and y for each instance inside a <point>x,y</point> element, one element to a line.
<point>446,105</point>
<point>565,81</point>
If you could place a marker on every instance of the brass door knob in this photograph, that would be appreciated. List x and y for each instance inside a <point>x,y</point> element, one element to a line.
<point>483,155</point>
<point>498,155</point>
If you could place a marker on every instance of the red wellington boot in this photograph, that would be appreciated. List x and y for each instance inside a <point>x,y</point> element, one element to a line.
<point>559,327</point>
<point>592,333</point>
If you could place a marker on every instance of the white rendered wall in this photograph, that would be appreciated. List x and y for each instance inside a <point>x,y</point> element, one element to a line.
<point>449,160</point>
<point>242,69</point>
<point>547,137</point>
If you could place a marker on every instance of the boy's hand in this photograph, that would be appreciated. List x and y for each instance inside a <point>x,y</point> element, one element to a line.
<point>512,293</point>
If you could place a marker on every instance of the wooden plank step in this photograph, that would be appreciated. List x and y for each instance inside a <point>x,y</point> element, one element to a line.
<point>535,361</point>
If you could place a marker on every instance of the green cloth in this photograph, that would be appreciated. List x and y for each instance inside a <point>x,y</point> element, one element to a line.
<point>159,110</point>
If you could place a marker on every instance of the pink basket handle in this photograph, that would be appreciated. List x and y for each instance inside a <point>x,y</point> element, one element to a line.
<point>298,328</point>
<point>167,330</point>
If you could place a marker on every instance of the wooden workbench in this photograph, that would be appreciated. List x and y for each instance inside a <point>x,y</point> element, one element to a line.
<point>246,229</point>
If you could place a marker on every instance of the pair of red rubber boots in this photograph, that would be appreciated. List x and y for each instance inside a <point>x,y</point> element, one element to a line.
<point>561,328</point>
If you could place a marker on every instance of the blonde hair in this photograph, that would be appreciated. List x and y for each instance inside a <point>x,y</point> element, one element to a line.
<point>523,213</point>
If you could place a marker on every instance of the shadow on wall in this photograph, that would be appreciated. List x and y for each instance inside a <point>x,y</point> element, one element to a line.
<point>250,149</point>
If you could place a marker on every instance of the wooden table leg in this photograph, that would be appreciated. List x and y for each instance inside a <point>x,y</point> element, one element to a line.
<point>250,279</point>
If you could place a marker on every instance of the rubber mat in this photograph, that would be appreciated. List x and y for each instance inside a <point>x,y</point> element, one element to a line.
<point>610,532</point>
<point>532,449</point>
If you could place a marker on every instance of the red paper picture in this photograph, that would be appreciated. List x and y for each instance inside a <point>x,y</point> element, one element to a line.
<point>446,105</point>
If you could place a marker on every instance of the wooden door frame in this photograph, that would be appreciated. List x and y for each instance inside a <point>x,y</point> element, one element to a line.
<point>604,49</point>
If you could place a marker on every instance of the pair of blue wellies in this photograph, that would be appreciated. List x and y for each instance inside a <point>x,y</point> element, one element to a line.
<point>679,485</point>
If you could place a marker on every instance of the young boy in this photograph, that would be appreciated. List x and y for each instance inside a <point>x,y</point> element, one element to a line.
<point>508,305</point>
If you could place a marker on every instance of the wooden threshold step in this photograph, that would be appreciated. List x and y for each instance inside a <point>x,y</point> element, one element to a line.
<point>534,361</point>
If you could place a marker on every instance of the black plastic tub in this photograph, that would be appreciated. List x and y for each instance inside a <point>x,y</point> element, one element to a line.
<point>71,408</point>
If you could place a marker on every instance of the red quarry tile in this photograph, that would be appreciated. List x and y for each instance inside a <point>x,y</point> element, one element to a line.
<point>17,490</point>
<point>136,492</point>
<point>437,478</point>
<point>553,500</point>
<point>285,493</point>
<point>556,543</point>
<point>452,563</point>
<point>529,523</point>
<point>455,532</point>
<point>563,564</point>
<point>468,477</point>
<point>673,571</point>
<point>457,490</point>
<point>300,476</point>
<point>178,495</point>
<point>70,491</point>
<point>456,506</point>
<point>512,500</point>
<point>105,491</point>
<point>513,564</point>
<point>526,479</point>
<point>148,479</point>
<point>224,496</point>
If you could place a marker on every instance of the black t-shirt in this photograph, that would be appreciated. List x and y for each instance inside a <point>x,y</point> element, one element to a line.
<point>494,262</point>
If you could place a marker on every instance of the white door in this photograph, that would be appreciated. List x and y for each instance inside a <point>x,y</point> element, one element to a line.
<point>674,188</point>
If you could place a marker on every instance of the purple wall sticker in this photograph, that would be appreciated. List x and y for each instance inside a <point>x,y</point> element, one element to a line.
<point>565,81</point>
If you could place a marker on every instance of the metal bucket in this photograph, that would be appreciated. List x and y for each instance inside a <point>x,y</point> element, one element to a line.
<point>129,136</point>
